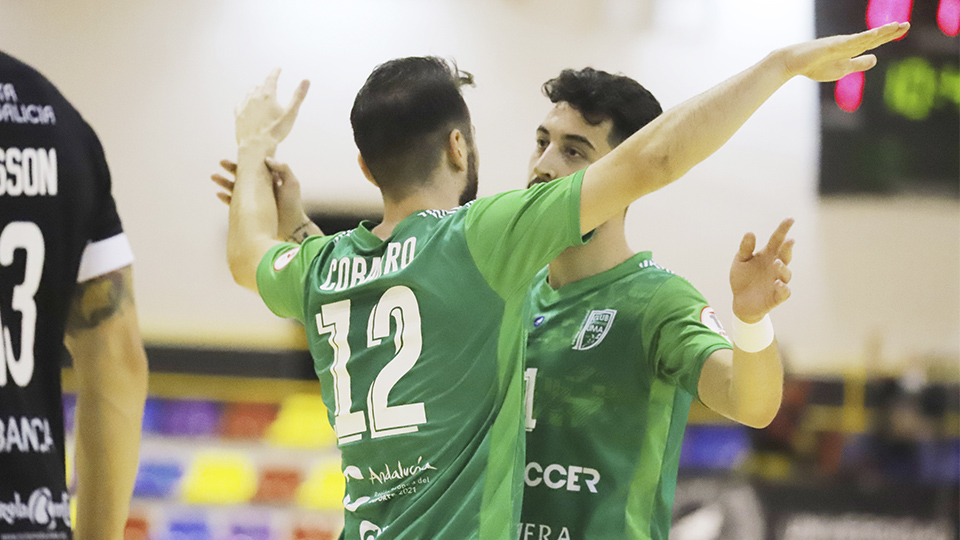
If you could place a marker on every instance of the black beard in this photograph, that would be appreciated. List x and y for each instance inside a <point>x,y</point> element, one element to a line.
<point>473,181</point>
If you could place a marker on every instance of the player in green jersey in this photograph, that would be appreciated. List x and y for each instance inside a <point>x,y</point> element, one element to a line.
<point>619,346</point>
<point>414,323</point>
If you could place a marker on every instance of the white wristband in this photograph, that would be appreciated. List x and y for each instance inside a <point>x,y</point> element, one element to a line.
<point>752,337</point>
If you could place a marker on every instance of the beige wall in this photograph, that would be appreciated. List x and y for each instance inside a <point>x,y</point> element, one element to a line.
<point>158,81</point>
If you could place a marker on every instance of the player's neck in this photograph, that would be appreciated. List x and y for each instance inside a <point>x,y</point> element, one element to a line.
<point>607,249</point>
<point>431,197</point>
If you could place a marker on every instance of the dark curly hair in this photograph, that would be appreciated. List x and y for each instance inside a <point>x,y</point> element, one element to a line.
<point>598,95</point>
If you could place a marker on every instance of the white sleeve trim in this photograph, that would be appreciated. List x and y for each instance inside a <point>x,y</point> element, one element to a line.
<point>104,256</point>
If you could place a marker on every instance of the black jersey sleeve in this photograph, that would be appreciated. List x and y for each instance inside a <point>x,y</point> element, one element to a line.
<point>108,248</point>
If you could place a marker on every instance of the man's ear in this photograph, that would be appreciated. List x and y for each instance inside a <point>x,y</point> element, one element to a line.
<point>457,150</point>
<point>366,171</point>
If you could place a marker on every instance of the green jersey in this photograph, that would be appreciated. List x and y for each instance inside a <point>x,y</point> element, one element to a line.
<point>613,362</point>
<point>417,343</point>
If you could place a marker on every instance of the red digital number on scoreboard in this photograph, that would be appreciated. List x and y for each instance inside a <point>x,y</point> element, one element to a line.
<point>848,91</point>
<point>948,17</point>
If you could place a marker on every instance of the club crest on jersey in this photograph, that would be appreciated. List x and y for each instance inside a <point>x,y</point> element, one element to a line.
<point>594,328</point>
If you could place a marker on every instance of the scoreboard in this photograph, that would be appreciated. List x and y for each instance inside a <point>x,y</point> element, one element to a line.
<point>894,129</point>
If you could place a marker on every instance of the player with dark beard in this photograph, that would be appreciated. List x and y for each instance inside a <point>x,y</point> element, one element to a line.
<point>413,323</point>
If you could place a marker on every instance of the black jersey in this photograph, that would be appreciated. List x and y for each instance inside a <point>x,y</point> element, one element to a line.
<point>58,226</point>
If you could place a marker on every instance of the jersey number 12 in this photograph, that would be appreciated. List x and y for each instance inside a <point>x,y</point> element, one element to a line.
<point>400,304</point>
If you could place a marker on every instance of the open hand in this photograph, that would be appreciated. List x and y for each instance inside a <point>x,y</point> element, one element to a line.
<point>261,117</point>
<point>832,58</point>
<point>759,280</point>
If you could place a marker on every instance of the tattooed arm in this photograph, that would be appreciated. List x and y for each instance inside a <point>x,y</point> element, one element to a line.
<point>103,337</point>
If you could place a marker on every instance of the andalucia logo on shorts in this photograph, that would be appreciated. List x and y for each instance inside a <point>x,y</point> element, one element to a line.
<point>594,328</point>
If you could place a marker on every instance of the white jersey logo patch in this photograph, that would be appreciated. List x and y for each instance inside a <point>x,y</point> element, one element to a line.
<point>709,318</point>
<point>283,260</point>
<point>594,328</point>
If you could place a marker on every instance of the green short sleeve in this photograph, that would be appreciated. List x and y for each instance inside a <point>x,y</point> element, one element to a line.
<point>676,333</point>
<point>282,273</point>
<point>511,236</point>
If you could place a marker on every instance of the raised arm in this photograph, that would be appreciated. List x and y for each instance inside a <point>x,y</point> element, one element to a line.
<point>746,384</point>
<point>293,224</point>
<point>678,139</point>
<point>261,123</point>
<point>110,364</point>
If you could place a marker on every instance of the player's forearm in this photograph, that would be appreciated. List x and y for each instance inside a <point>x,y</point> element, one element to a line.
<point>756,385</point>
<point>111,370</point>
<point>304,230</point>
<point>697,128</point>
<point>677,140</point>
<point>253,213</point>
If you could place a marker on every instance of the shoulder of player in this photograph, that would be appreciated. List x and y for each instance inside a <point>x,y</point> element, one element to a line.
<point>317,247</point>
<point>664,280</point>
<point>335,237</point>
<point>528,194</point>
<point>30,82</point>
<point>649,267</point>
<point>311,248</point>
<point>649,273</point>
<point>15,68</point>
<point>441,214</point>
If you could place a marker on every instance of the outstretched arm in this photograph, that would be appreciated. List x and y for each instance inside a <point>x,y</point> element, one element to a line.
<point>261,123</point>
<point>665,149</point>
<point>110,364</point>
<point>746,384</point>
